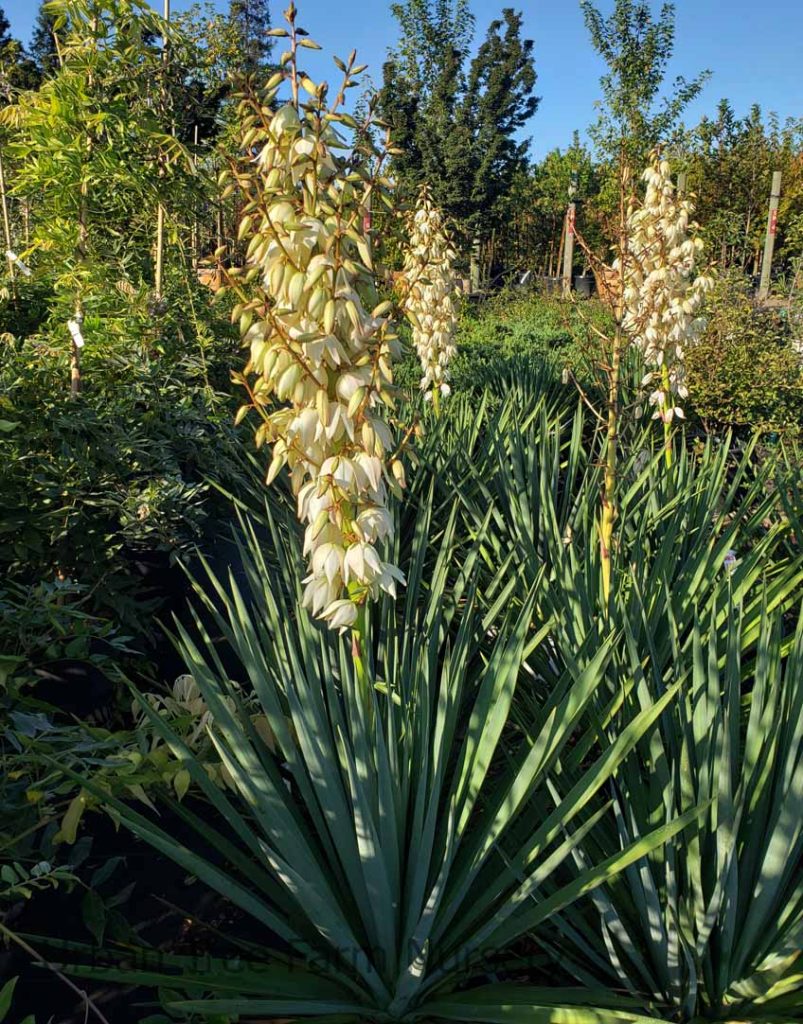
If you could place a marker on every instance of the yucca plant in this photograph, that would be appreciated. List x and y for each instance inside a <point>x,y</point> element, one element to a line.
<point>710,572</point>
<point>384,843</point>
<point>721,512</point>
<point>711,927</point>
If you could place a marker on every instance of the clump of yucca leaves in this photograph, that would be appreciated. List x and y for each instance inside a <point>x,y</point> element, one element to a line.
<point>389,853</point>
<point>709,926</point>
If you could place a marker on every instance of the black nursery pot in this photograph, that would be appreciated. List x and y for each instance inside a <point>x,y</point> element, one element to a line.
<point>551,285</point>
<point>584,285</point>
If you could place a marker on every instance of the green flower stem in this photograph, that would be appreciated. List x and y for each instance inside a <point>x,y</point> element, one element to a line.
<point>358,651</point>
<point>666,407</point>
<point>609,508</point>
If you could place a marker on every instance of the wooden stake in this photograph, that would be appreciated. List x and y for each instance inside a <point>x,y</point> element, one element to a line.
<point>160,212</point>
<point>6,222</point>
<point>769,244</point>
<point>568,250</point>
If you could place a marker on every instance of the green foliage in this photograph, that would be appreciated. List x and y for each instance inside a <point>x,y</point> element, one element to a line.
<point>537,205</point>
<point>730,162</point>
<point>91,153</point>
<point>47,838</point>
<point>45,621</point>
<point>490,768</point>
<point>523,802</point>
<point>729,899</point>
<point>251,22</point>
<point>517,332</point>
<point>637,49</point>
<point>707,571</point>
<point>43,41</point>
<point>17,69</point>
<point>88,485</point>
<point>745,372</point>
<point>411,866</point>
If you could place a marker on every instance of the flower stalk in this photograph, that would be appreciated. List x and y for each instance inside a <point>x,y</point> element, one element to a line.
<point>430,301</point>
<point>321,343</point>
<point>663,295</point>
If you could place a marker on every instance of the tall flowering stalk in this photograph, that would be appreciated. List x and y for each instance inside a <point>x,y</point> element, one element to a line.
<point>655,298</point>
<point>430,301</point>
<point>321,344</point>
<point>662,293</point>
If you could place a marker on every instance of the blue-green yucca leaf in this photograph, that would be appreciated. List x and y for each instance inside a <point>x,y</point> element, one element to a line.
<point>285,978</point>
<point>523,1004</point>
<point>301,1007</point>
<point>714,924</point>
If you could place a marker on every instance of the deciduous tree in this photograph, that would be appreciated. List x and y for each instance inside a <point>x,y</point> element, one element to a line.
<point>251,22</point>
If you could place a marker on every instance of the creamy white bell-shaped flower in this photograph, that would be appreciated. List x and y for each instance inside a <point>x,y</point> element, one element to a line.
<point>430,285</point>
<point>321,351</point>
<point>662,295</point>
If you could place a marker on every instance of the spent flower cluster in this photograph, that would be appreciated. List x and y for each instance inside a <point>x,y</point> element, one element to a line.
<point>431,294</point>
<point>663,294</point>
<point>321,343</point>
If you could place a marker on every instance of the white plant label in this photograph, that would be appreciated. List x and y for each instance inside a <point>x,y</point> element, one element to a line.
<point>23,267</point>
<point>75,331</point>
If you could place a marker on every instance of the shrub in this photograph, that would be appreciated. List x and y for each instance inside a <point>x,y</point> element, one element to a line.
<point>745,372</point>
<point>89,486</point>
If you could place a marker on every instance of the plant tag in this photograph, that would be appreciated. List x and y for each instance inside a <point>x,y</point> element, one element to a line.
<point>23,267</point>
<point>75,331</point>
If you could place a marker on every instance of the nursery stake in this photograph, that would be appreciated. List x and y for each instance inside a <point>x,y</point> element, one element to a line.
<point>769,244</point>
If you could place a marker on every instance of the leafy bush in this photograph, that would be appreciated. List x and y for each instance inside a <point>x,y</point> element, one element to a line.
<point>90,486</point>
<point>44,622</point>
<point>745,372</point>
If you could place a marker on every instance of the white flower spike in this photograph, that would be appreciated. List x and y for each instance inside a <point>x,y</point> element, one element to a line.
<point>663,295</point>
<point>431,294</point>
<point>321,345</point>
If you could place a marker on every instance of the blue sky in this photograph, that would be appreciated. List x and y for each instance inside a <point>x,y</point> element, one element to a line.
<point>754,49</point>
